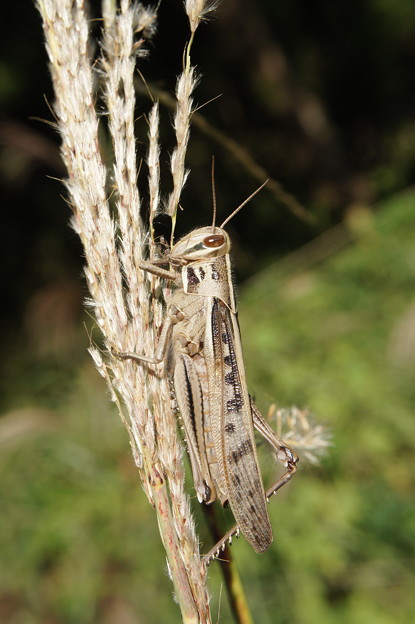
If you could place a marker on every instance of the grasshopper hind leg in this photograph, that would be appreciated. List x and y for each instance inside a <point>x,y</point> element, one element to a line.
<point>284,454</point>
<point>190,403</point>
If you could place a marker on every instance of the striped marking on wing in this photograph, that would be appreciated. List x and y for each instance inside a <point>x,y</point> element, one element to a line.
<point>245,488</point>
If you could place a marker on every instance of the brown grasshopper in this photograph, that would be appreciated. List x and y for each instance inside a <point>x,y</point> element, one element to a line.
<point>200,338</point>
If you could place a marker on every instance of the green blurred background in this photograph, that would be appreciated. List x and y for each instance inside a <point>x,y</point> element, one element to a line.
<point>322,96</point>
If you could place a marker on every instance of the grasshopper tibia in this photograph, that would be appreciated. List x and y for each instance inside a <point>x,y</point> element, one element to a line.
<point>234,531</point>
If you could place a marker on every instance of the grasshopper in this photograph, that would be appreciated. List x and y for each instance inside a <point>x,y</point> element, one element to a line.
<point>200,339</point>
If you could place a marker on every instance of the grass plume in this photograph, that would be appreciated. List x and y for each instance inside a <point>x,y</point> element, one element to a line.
<point>124,299</point>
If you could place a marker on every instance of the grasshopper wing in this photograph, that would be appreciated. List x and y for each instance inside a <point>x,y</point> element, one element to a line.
<point>230,407</point>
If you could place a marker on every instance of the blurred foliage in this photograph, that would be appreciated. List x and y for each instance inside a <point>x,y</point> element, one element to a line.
<point>79,542</point>
<point>321,95</point>
<point>339,337</point>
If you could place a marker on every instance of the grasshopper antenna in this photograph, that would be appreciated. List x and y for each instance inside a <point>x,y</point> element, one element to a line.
<point>243,204</point>
<point>213,193</point>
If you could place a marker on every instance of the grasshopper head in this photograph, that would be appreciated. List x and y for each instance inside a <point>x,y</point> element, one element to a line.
<point>201,244</point>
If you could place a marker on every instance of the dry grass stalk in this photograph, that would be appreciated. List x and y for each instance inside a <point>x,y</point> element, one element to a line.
<point>197,11</point>
<point>127,315</point>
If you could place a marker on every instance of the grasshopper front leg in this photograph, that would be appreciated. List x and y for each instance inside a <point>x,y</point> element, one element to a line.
<point>173,316</point>
<point>155,269</point>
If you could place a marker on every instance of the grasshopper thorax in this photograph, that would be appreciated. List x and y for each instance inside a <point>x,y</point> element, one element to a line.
<point>201,244</point>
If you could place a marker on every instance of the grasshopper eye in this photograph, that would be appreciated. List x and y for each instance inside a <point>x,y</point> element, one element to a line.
<point>215,240</point>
